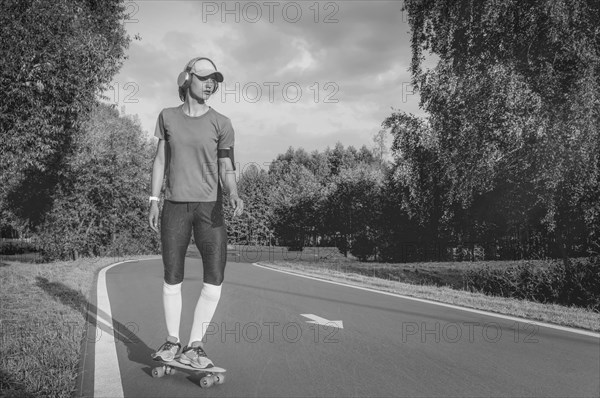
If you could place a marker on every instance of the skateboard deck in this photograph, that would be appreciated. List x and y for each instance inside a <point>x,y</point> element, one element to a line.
<point>210,376</point>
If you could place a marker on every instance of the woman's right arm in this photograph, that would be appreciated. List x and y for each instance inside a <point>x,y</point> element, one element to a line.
<point>158,174</point>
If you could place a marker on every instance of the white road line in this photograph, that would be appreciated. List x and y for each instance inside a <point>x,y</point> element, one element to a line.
<point>456,307</point>
<point>107,375</point>
<point>322,321</point>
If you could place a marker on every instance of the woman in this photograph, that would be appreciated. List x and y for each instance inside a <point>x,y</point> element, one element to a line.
<point>195,151</point>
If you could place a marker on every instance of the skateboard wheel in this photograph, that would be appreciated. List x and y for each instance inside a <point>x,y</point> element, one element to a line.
<point>219,379</point>
<point>206,382</point>
<point>158,372</point>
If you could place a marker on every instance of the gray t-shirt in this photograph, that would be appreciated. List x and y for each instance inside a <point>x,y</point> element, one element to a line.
<point>191,143</point>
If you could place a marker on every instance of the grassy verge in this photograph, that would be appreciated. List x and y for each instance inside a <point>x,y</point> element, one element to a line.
<point>42,323</point>
<point>439,282</point>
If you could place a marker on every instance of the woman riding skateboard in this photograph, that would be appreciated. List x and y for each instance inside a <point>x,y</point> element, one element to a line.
<point>195,152</point>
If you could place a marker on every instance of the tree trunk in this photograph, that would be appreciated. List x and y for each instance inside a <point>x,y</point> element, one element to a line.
<point>561,247</point>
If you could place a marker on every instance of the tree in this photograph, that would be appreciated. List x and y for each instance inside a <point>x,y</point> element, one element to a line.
<point>351,209</point>
<point>56,56</point>
<point>380,149</point>
<point>514,101</point>
<point>254,226</point>
<point>340,157</point>
<point>99,207</point>
<point>326,197</point>
<point>416,167</point>
<point>295,199</point>
<point>400,238</point>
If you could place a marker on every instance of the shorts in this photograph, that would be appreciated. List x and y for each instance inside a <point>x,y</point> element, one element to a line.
<point>206,220</point>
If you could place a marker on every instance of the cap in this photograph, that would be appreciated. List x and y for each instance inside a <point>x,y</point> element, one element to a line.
<point>205,68</point>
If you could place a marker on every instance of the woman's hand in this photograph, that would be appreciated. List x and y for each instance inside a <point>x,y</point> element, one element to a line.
<point>237,204</point>
<point>153,216</point>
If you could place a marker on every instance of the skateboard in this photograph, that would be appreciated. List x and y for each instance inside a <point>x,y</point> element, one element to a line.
<point>209,376</point>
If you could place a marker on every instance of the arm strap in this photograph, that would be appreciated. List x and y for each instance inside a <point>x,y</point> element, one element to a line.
<point>226,153</point>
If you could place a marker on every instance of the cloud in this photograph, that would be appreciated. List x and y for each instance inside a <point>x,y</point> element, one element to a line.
<point>351,71</point>
<point>365,38</point>
<point>365,50</point>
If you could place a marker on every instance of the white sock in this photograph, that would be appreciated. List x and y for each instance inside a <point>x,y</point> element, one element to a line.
<point>205,309</point>
<point>172,305</point>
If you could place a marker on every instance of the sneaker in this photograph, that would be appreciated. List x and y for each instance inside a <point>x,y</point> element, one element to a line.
<point>167,351</point>
<point>195,356</point>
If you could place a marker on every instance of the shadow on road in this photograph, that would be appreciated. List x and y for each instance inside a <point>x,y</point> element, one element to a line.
<point>99,324</point>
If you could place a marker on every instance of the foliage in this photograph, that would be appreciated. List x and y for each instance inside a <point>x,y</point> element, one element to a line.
<point>15,248</point>
<point>416,171</point>
<point>295,199</point>
<point>99,206</point>
<point>573,283</point>
<point>306,199</point>
<point>328,198</point>
<point>351,209</point>
<point>514,115</point>
<point>56,57</point>
<point>364,245</point>
<point>253,226</point>
<point>399,237</point>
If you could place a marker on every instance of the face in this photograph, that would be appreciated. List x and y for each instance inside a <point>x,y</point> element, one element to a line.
<point>202,87</point>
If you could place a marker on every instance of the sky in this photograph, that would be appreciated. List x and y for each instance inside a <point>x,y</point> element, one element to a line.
<point>297,73</point>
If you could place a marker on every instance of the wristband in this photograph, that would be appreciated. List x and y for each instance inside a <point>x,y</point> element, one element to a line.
<point>151,198</point>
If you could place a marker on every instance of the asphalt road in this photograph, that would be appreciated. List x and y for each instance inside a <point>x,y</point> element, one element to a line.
<point>386,345</point>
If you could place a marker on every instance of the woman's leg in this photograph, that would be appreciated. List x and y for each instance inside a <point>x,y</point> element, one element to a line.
<point>211,239</point>
<point>176,229</point>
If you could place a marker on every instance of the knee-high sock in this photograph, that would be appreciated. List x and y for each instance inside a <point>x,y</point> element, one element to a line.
<point>172,305</point>
<point>205,309</point>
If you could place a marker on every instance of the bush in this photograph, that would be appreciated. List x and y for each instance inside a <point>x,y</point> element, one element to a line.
<point>296,246</point>
<point>362,247</point>
<point>574,283</point>
<point>10,248</point>
<point>579,283</point>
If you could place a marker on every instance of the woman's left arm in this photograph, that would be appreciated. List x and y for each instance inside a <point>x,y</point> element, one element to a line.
<point>227,176</point>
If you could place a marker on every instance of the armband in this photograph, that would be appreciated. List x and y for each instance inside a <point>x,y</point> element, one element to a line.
<point>226,153</point>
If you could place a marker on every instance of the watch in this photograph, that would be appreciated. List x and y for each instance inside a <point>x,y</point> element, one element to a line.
<point>151,198</point>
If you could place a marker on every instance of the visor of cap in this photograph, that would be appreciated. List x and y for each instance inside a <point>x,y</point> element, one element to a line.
<point>209,72</point>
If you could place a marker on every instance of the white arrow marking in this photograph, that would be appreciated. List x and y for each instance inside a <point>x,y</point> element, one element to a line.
<point>322,321</point>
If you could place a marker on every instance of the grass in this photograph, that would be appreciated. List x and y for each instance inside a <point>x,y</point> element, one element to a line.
<point>43,321</point>
<point>442,282</point>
